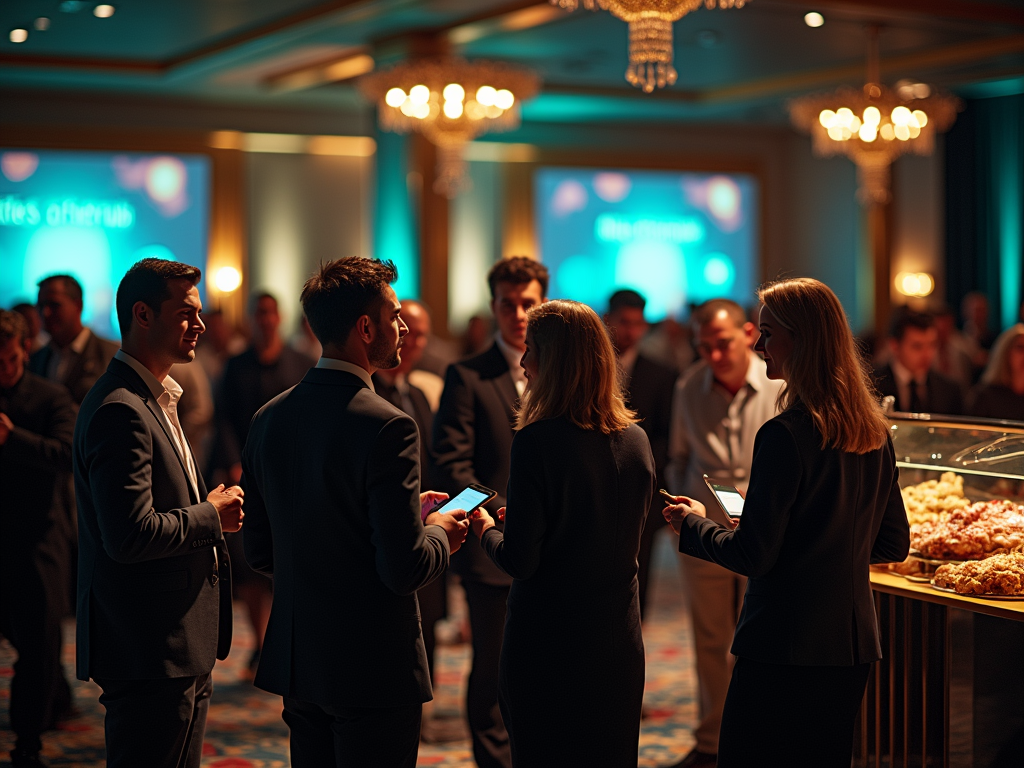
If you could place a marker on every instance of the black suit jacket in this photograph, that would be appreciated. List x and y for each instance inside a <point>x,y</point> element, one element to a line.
<point>85,371</point>
<point>331,478</point>
<point>35,467</point>
<point>650,389</point>
<point>944,395</point>
<point>813,521</point>
<point>473,442</point>
<point>149,605</point>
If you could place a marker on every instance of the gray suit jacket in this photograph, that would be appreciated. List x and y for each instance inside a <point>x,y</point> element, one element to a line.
<point>331,474</point>
<point>85,371</point>
<point>150,602</point>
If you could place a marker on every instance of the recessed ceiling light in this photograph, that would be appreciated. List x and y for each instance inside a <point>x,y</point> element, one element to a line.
<point>19,35</point>
<point>814,19</point>
<point>103,11</point>
<point>42,24</point>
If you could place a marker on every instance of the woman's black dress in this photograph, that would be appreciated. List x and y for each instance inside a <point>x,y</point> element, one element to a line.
<point>572,664</point>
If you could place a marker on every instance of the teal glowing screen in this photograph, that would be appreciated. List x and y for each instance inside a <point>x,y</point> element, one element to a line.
<point>94,214</point>
<point>677,238</point>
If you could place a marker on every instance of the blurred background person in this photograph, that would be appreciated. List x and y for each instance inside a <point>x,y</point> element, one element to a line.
<point>954,357</point>
<point>974,311</point>
<point>648,389</point>
<point>719,406</point>
<point>909,376</point>
<point>472,441</point>
<point>75,356</point>
<point>580,487</point>
<point>37,424</point>
<point>260,373</point>
<point>38,338</point>
<point>669,343</point>
<point>824,498</point>
<point>1000,395</point>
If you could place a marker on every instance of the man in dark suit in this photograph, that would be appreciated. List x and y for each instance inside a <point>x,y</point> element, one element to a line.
<point>394,386</point>
<point>913,342</point>
<point>37,421</point>
<point>75,357</point>
<point>649,387</point>
<point>154,595</point>
<point>472,444</point>
<point>332,479</point>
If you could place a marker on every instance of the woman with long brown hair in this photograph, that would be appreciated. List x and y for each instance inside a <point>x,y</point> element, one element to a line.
<point>581,481</point>
<point>823,503</point>
<point>1000,394</point>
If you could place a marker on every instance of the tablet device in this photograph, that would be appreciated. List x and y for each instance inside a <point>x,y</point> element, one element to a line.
<point>469,499</point>
<point>729,498</point>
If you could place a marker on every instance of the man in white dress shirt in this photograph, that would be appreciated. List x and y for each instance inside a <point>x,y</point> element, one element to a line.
<point>718,408</point>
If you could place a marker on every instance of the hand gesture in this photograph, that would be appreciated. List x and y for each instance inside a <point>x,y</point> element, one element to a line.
<point>228,503</point>
<point>482,521</point>
<point>684,505</point>
<point>429,500</point>
<point>6,426</point>
<point>454,524</point>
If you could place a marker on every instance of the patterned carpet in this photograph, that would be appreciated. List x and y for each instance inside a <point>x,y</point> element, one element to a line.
<point>245,730</point>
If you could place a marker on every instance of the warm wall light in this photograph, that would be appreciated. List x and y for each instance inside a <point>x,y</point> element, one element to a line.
<point>227,279</point>
<point>103,11</point>
<point>19,35</point>
<point>814,19</point>
<point>918,284</point>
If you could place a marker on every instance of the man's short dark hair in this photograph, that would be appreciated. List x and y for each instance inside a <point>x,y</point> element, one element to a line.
<point>147,281</point>
<point>709,310</point>
<point>70,285</point>
<point>626,298</point>
<point>341,292</point>
<point>904,318</point>
<point>518,270</point>
<point>12,326</point>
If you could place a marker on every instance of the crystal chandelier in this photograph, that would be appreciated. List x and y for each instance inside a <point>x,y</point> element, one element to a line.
<point>874,125</point>
<point>650,33</point>
<point>450,101</point>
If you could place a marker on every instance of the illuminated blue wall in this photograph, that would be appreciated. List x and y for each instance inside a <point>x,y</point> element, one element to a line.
<point>677,238</point>
<point>395,225</point>
<point>94,214</point>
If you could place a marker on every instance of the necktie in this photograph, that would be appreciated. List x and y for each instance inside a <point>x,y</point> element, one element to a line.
<point>917,404</point>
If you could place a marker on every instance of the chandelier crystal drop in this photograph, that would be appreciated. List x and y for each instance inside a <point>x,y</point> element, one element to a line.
<point>650,33</point>
<point>450,101</point>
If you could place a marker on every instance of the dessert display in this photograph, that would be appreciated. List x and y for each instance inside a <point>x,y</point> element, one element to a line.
<point>983,529</point>
<point>931,500</point>
<point>999,575</point>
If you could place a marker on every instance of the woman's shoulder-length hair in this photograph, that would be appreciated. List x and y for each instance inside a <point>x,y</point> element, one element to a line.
<point>825,373</point>
<point>998,369</point>
<point>577,372</point>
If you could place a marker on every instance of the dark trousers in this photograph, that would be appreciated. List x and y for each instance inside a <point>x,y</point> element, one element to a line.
<point>30,619</point>
<point>784,715</point>
<point>433,600</point>
<point>352,737</point>
<point>655,522</point>
<point>156,723</point>
<point>486,605</point>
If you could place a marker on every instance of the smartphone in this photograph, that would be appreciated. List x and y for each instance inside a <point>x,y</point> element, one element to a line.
<point>729,498</point>
<point>469,499</point>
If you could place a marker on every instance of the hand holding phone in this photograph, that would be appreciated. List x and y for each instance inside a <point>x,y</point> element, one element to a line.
<point>470,498</point>
<point>729,498</point>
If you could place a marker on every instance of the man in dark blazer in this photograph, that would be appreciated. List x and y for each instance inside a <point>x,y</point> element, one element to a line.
<point>37,421</point>
<point>332,479</point>
<point>154,605</point>
<point>649,387</point>
<point>75,357</point>
<point>472,444</point>
<point>913,343</point>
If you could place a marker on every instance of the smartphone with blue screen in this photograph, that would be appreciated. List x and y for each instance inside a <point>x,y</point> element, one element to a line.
<point>470,498</point>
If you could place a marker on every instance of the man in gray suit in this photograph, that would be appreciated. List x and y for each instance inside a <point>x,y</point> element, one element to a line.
<point>331,473</point>
<point>154,599</point>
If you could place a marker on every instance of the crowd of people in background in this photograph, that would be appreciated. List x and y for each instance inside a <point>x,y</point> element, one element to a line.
<point>696,390</point>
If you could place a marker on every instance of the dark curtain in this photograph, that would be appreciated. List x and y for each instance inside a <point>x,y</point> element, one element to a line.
<point>985,205</point>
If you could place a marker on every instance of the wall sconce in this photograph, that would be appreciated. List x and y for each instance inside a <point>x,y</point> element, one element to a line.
<point>227,279</point>
<point>917,284</point>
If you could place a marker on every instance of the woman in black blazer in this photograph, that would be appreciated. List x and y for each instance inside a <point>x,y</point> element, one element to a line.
<point>571,675</point>
<point>823,503</point>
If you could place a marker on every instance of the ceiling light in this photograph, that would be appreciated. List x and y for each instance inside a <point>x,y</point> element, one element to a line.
<point>19,35</point>
<point>103,11</point>
<point>42,24</point>
<point>814,19</point>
